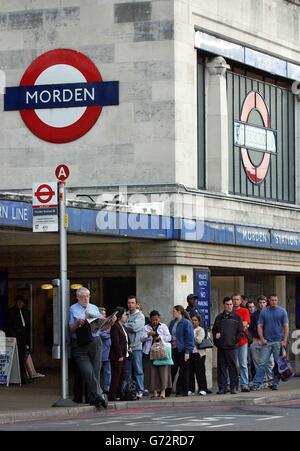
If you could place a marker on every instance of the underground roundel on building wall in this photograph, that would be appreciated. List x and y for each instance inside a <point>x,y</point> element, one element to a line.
<point>61,95</point>
<point>254,139</point>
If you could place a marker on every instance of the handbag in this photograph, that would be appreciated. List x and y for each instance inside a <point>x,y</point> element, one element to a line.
<point>168,360</point>
<point>206,343</point>
<point>158,351</point>
<point>285,369</point>
<point>84,334</point>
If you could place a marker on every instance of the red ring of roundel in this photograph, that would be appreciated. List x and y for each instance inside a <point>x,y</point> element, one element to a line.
<point>92,113</point>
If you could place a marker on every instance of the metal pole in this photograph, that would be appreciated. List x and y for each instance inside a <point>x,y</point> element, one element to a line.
<point>64,401</point>
<point>63,280</point>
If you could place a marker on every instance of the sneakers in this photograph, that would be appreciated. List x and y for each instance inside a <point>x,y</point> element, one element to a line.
<point>191,393</point>
<point>233,391</point>
<point>273,387</point>
<point>139,395</point>
<point>245,389</point>
<point>255,388</point>
<point>202,393</point>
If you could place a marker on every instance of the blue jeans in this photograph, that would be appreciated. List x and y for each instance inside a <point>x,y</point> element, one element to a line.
<point>106,375</point>
<point>266,353</point>
<point>135,366</point>
<point>242,358</point>
<point>256,354</point>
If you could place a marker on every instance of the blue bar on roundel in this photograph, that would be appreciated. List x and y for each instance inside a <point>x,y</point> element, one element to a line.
<point>68,95</point>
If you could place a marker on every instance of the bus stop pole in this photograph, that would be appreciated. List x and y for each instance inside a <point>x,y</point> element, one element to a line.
<point>64,401</point>
<point>63,278</point>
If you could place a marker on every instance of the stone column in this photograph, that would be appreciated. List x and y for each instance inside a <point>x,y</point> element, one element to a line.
<point>297,147</point>
<point>280,290</point>
<point>217,126</point>
<point>294,343</point>
<point>160,287</point>
<point>239,285</point>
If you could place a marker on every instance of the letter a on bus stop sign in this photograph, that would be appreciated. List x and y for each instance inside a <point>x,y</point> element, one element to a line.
<point>62,172</point>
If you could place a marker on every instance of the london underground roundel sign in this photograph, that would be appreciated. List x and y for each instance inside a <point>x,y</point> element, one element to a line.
<point>44,194</point>
<point>61,95</point>
<point>255,138</point>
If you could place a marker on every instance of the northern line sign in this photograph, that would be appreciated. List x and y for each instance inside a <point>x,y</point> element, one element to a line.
<point>61,95</point>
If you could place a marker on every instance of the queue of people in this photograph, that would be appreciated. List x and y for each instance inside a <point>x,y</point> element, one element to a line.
<point>249,338</point>
<point>250,341</point>
<point>130,340</point>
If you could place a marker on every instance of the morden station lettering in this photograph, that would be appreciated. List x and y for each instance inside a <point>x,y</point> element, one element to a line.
<point>252,236</point>
<point>58,96</point>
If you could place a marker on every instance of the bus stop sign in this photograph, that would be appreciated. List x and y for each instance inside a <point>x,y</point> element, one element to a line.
<point>62,172</point>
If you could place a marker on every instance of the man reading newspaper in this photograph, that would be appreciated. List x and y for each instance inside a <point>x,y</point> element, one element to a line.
<point>87,353</point>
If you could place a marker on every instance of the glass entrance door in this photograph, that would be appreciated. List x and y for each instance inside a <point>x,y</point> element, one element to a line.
<point>39,298</point>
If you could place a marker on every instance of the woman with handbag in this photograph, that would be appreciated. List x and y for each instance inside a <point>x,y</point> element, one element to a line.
<point>197,363</point>
<point>156,338</point>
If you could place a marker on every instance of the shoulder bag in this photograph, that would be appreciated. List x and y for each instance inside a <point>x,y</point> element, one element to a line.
<point>206,343</point>
<point>168,360</point>
<point>158,351</point>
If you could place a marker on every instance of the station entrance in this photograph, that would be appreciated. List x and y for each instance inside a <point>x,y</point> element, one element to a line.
<point>108,292</point>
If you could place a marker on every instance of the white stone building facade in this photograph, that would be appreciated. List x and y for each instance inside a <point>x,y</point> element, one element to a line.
<point>171,133</point>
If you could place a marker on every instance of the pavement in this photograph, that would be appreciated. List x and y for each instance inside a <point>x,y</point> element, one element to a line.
<point>34,401</point>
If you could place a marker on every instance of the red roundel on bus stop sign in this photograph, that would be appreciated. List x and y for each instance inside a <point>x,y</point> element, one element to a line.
<point>44,194</point>
<point>61,66</point>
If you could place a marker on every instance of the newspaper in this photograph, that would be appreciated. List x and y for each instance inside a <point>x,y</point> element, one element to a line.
<point>100,322</point>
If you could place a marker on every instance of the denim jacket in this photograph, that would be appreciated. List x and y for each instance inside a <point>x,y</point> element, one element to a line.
<point>184,335</point>
<point>106,344</point>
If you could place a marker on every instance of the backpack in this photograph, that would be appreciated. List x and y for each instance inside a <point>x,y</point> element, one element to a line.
<point>129,391</point>
<point>285,369</point>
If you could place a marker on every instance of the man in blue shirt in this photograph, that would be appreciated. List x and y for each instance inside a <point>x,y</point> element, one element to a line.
<point>273,331</point>
<point>88,356</point>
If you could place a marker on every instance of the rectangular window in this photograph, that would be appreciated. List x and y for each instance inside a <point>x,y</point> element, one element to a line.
<point>201,125</point>
<point>261,119</point>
